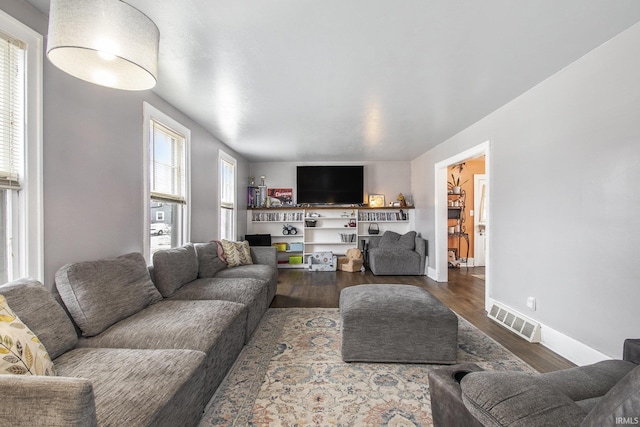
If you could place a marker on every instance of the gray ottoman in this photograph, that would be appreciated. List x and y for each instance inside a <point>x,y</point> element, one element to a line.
<point>396,323</point>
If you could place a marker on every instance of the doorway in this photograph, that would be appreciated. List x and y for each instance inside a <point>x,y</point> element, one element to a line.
<point>440,272</point>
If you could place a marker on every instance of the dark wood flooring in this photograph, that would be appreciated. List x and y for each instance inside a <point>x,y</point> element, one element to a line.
<point>464,294</point>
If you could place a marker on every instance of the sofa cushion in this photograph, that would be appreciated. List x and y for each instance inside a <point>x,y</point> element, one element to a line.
<point>22,352</point>
<point>247,291</point>
<point>101,293</point>
<point>209,261</point>
<point>140,387</point>
<point>393,240</point>
<point>622,402</point>
<point>216,328</point>
<point>236,253</point>
<point>39,310</point>
<point>256,271</point>
<point>173,268</point>
<point>517,399</point>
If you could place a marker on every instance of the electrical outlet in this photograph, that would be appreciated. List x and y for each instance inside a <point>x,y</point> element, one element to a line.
<point>531,303</point>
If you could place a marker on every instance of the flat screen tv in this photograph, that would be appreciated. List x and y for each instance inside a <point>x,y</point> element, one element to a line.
<point>336,185</point>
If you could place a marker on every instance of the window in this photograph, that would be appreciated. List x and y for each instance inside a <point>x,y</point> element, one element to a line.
<point>21,241</point>
<point>227,172</point>
<point>167,218</point>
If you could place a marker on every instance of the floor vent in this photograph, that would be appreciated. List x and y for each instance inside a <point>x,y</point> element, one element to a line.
<point>515,322</point>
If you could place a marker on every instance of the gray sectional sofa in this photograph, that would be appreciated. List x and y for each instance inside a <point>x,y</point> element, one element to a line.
<point>132,351</point>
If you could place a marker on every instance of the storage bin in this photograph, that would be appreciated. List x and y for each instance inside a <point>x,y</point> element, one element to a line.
<point>296,246</point>
<point>295,259</point>
<point>280,247</point>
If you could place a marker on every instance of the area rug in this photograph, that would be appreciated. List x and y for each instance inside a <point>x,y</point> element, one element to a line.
<point>291,374</point>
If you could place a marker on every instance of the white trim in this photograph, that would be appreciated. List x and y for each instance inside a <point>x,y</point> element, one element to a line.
<point>440,272</point>
<point>32,227</point>
<point>561,344</point>
<point>149,112</point>
<point>222,155</point>
<point>569,348</point>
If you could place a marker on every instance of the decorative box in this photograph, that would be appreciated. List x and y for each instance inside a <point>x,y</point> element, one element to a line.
<point>280,247</point>
<point>295,259</point>
<point>296,246</point>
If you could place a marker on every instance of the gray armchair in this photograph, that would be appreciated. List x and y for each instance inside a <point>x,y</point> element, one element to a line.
<point>600,394</point>
<point>395,254</point>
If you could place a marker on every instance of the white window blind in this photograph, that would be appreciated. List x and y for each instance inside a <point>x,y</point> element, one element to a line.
<point>12,92</point>
<point>227,175</point>
<point>167,164</point>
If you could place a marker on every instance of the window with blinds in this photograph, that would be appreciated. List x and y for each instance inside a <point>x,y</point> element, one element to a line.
<point>227,197</point>
<point>12,102</point>
<point>167,169</point>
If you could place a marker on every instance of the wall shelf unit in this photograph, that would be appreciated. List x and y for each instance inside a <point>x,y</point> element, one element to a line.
<point>325,229</point>
<point>456,228</point>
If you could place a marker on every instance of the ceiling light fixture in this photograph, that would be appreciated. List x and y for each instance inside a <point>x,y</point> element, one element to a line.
<point>106,42</point>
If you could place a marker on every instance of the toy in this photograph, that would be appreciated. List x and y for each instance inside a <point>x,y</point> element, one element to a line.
<point>322,261</point>
<point>289,229</point>
<point>352,261</point>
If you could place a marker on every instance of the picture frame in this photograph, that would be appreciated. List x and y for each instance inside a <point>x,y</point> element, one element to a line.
<point>376,200</point>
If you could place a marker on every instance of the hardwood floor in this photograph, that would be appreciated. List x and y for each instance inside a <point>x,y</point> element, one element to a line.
<point>464,294</point>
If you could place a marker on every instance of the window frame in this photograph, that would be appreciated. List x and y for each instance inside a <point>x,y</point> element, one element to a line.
<point>30,245</point>
<point>226,157</point>
<point>152,113</point>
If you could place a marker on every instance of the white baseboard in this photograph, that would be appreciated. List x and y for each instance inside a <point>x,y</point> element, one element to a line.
<point>431,273</point>
<point>567,347</point>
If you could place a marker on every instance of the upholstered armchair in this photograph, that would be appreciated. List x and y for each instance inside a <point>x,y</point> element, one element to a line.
<point>351,262</point>
<point>606,393</point>
<point>396,255</point>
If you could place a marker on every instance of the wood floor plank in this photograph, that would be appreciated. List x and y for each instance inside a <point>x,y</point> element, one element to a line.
<point>464,294</point>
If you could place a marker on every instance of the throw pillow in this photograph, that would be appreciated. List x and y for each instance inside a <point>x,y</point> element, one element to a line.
<point>22,353</point>
<point>237,253</point>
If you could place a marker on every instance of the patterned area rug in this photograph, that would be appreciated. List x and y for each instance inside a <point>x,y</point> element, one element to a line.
<point>291,374</point>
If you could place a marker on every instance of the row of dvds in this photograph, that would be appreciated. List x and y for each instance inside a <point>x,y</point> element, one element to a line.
<point>278,216</point>
<point>383,216</point>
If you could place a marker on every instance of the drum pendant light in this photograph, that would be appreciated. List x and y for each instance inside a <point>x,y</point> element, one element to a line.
<point>106,42</point>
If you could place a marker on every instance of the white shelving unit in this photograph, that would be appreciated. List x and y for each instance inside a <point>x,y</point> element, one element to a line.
<point>273,221</point>
<point>336,229</point>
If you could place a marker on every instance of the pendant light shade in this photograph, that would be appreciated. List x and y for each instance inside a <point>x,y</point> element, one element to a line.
<point>106,42</point>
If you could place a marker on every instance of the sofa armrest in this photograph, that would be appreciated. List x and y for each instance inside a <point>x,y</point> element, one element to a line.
<point>447,408</point>
<point>422,247</point>
<point>502,399</point>
<point>47,401</point>
<point>265,255</point>
<point>631,350</point>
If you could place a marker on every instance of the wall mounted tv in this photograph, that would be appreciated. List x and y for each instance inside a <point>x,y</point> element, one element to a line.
<point>339,185</point>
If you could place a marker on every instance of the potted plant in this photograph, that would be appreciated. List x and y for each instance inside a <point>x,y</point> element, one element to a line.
<point>455,185</point>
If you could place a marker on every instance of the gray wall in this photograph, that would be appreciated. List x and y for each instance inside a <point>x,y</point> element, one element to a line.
<point>564,200</point>
<point>93,192</point>
<point>388,178</point>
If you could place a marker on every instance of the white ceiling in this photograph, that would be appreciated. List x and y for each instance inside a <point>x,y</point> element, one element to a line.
<point>357,80</point>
